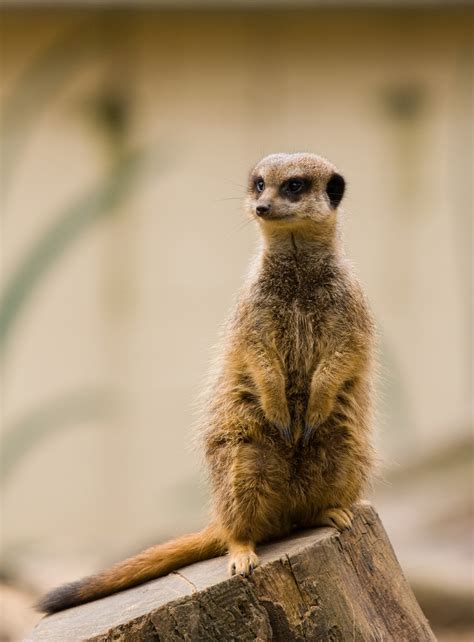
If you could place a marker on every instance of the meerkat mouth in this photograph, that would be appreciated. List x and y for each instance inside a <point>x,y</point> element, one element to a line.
<point>275,217</point>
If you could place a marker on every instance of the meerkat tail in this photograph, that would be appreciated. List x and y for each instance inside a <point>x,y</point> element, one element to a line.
<point>147,565</point>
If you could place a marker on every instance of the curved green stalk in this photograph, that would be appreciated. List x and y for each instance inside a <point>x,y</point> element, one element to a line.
<point>69,225</point>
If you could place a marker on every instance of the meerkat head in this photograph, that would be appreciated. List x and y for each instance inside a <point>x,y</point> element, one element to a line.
<point>294,189</point>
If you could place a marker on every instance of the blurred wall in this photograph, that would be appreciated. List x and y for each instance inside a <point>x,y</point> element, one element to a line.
<point>120,278</point>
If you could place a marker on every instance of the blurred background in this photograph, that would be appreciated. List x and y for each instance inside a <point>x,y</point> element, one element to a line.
<point>127,130</point>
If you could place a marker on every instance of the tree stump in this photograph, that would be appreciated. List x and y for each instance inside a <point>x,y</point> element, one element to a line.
<point>315,585</point>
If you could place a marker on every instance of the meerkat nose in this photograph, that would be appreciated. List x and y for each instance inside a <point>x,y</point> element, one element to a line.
<point>263,209</point>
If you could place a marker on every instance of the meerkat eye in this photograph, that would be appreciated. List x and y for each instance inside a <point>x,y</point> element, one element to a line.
<point>295,185</point>
<point>259,184</point>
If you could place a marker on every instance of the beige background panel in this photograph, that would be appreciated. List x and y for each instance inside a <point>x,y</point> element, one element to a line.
<point>135,305</point>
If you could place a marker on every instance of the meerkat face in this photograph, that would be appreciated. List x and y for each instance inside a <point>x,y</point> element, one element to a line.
<point>291,188</point>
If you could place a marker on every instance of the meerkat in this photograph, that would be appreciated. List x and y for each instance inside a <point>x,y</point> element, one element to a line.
<point>286,429</point>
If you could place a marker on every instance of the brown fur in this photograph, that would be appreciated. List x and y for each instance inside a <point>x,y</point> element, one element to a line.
<point>286,429</point>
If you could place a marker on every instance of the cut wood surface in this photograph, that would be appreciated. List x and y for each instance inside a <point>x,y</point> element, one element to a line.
<point>315,585</point>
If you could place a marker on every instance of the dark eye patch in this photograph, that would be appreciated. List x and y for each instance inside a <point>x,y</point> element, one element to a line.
<point>259,184</point>
<point>294,187</point>
<point>335,189</point>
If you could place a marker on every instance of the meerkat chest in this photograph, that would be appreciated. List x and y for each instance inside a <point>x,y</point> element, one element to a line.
<point>298,341</point>
<point>296,303</point>
<point>298,331</point>
<point>298,322</point>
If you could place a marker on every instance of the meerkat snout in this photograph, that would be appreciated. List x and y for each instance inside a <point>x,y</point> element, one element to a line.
<point>263,209</point>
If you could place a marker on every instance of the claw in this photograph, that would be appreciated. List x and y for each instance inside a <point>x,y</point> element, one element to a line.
<point>286,432</point>
<point>338,518</point>
<point>244,564</point>
<point>308,432</point>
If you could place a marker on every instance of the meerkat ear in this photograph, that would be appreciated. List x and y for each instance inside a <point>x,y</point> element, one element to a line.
<point>335,189</point>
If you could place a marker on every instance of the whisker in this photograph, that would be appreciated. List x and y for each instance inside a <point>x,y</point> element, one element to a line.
<point>228,180</point>
<point>240,226</point>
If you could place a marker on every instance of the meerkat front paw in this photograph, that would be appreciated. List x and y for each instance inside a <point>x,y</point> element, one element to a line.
<point>339,518</point>
<point>243,563</point>
<point>279,416</point>
<point>318,411</point>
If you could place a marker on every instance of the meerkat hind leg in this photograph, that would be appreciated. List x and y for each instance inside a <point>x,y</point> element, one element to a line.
<point>250,502</point>
<point>242,558</point>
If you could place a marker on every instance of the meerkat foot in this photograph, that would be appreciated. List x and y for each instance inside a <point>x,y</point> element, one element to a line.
<point>243,564</point>
<point>339,518</point>
<point>242,559</point>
